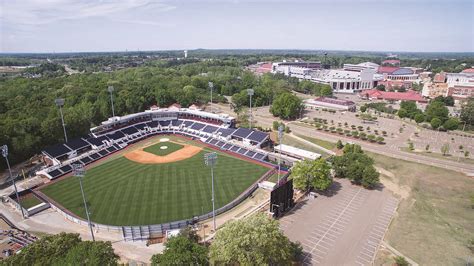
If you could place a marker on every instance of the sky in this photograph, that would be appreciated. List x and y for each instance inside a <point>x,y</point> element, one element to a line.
<point>145,25</point>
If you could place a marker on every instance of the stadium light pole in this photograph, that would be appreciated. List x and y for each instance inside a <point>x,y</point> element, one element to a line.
<point>250,93</point>
<point>280,137</point>
<point>211,86</point>
<point>60,103</point>
<point>111,91</point>
<point>4,149</point>
<point>79,171</point>
<point>210,159</point>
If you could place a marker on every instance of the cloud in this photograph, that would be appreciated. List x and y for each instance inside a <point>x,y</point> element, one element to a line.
<point>27,13</point>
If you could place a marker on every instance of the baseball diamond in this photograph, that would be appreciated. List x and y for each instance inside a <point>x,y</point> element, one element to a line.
<point>125,192</point>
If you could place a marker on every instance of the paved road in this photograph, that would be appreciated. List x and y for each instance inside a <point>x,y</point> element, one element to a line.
<point>343,227</point>
<point>265,119</point>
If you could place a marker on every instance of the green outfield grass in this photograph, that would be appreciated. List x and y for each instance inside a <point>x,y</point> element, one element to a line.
<point>156,148</point>
<point>122,192</point>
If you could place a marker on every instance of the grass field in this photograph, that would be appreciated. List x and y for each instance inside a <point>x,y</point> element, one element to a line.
<point>157,150</point>
<point>29,201</point>
<point>435,216</point>
<point>122,192</point>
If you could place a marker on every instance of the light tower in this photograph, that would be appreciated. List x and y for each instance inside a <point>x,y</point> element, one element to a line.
<point>185,53</point>
<point>60,103</point>
<point>211,86</point>
<point>111,91</point>
<point>210,159</point>
<point>4,149</point>
<point>280,137</point>
<point>250,93</point>
<point>79,171</point>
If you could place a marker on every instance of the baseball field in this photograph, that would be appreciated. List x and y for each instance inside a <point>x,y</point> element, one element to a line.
<point>156,181</point>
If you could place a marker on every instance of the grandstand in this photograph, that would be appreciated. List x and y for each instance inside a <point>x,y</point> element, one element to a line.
<point>118,132</point>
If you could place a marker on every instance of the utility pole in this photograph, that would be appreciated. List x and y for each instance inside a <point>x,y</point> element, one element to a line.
<point>4,149</point>
<point>111,91</point>
<point>211,86</point>
<point>79,171</point>
<point>280,137</point>
<point>60,103</point>
<point>250,93</point>
<point>210,159</point>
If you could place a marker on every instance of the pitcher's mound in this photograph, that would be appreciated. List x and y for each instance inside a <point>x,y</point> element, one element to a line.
<point>163,147</point>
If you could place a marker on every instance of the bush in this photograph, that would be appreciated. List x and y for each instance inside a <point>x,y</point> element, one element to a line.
<point>451,124</point>
<point>371,137</point>
<point>380,139</point>
<point>339,144</point>
<point>435,123</point>
<point>401,261</point>
<point>419,118</point>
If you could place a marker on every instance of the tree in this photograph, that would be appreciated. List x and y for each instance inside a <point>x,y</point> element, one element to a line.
<point>64,249</point>
<point>445,149</point>
<point>326,91</point>
<point>255,240</point>
<point>381,87</point>
<point>286,106</point>
<point>181,250</point>
<point>91,253</point>
<point>311,174</point>
<point>402,113</point>
<point>339,145</point>
<point>427,147</point>
<point>419,118</point>
<point>355,166</point>
<point>363,108</point>
<point>451,124</point>
<point>275,125</point>
<point>435,123</point>
<point>436,109</point>
<point>467,112</point>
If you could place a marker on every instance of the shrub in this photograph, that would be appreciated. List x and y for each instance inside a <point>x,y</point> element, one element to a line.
<point>380,139</point>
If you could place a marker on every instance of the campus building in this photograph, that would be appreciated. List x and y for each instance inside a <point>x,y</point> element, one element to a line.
<point>347,81</point>
<point>296,69</point>
<point>391,96</point>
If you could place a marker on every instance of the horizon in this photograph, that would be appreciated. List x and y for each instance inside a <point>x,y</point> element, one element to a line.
<point>67,26</point>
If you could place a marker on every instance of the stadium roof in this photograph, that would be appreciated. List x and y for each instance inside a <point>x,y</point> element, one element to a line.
<point>57,150</point>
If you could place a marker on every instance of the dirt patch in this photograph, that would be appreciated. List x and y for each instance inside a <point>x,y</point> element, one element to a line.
<point>388,179</point>
<point>141,156</point>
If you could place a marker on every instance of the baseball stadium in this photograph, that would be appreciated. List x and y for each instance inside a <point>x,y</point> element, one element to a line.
<point>149,168</point>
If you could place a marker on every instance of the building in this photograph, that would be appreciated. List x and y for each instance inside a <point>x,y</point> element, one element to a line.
<point>391,96</point>
<point>399,73</point>
<point>346,81</point>
<point>296,69</point>
<point>361,66</point>
<point>434,89</point>
<point>462,79</point>
<point>391,85</point>
<point>331,103</point>
<point>290,155</point>
<point>461,93</point>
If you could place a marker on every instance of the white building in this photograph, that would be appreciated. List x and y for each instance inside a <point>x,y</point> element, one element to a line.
<point>459,79</point>
<point>346,81</point>
<point>361,66</point>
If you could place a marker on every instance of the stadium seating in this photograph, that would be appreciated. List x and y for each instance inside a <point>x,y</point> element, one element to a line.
<point>92,148</point>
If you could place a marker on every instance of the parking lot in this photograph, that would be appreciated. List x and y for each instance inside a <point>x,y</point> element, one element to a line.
<point>343,227</point>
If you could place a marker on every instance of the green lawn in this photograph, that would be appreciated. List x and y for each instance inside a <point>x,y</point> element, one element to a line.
<point>122,192</point>
<point>157,150</point>
<point>29,201</point>
<point>325,144</point>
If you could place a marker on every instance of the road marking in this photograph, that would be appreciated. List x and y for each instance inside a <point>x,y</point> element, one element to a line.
<point>343,211</point>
